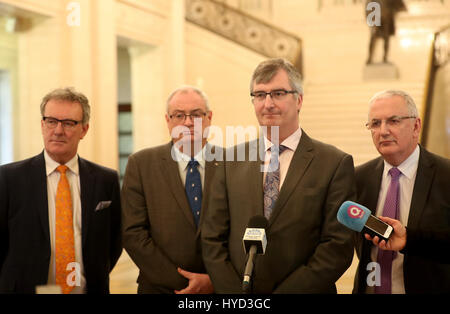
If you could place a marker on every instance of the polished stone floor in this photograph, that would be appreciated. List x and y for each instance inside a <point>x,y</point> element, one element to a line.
<point>124,275</point>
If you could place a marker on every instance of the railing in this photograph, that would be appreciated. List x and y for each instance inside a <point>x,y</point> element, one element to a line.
<point>321,4</point>
<point>440,57</point>
<point>245,30</point>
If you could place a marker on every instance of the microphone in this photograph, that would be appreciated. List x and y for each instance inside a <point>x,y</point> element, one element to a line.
<point>359,218</point>
<point>254,242</point>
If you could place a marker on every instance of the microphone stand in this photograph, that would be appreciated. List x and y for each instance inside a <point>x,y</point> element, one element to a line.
<point>247,283</point>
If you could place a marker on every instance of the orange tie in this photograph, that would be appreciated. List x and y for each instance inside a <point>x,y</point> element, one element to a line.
<point>64,239</point>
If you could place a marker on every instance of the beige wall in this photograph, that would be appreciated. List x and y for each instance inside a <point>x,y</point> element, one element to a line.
<point>166,52</point>
<point>54,54</point>
<point>223,70</point>
<point>153,32</point>
<point>8,64</point>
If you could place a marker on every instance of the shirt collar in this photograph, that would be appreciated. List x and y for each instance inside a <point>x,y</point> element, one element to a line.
<point>290,142</point>
<point>184,159</point>
<point>407,167</point>
<point>51,165</point>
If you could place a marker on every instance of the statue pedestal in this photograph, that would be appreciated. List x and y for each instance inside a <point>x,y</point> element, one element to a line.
<point>380,71</point>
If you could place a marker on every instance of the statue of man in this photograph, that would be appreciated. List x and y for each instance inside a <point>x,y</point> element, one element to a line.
<point>389,8</point>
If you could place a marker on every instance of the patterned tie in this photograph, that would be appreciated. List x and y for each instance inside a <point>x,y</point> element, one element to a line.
<point>193,189</point>
<point>390,209</point>
<point>272,181</point>
<point>64,238</point>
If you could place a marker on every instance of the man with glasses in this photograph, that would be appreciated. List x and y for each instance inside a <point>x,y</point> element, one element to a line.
<point>59,213</point>
<point>299,193</point>
<point>406,183</point>
<point>163,197</point>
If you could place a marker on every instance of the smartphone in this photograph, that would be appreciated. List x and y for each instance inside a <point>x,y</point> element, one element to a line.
<point>377,227</point>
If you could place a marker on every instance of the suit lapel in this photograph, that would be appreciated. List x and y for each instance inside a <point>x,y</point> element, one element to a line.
<point>170,168</point>
<point>299,163</point>
<point>368,192</point>
<point>422,187</point>
<point>254,179</point>
<point>38,178</point>
<point>372,187</point>
<point>256,187</point>
<point>210,169</point>
<point>87,188</point>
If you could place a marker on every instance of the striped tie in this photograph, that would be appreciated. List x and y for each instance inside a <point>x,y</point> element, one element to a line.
<point>64,238</point>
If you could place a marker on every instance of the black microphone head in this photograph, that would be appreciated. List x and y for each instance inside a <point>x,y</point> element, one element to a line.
<point>257,221</point>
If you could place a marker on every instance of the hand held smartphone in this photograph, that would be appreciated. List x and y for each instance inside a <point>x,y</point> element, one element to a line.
<point>376,227</point>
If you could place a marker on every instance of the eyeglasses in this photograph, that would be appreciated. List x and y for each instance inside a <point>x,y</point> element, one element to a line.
<point>181,116</point>
<point>67,124</point>
<point>390,122</point>
<point>278,94</point>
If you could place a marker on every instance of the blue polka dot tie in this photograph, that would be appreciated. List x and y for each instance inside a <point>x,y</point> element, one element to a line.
<point>272,181</point>
<point>193,189</point>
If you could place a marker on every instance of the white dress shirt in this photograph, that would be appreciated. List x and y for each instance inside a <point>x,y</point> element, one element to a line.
<point>73,177</point>
<point>183,161</point>
<point>407,178</point>
<point>285,158</point>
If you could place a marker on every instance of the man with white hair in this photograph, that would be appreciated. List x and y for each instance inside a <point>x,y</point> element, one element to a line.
<point>164,193</point>
<point>406,183</point>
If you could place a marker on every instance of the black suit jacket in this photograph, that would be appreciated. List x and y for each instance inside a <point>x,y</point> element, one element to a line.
<point>24,225</point>
<point>159,231</point>
<point>430,210</point>
<point>430,244</point>
<point>307,248</point>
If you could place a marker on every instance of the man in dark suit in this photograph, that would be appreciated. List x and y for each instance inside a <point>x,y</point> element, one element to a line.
<point>417,189</point>
<point>59,213</point>
<point>307,249</point>
<point>163,200</point>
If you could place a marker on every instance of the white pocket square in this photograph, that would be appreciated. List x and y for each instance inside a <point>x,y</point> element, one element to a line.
<point>102,205</point>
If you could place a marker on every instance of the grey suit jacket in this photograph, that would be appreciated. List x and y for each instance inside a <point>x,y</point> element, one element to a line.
<point>159,232</point>
<point>430,210</point>
<point>307,249</point>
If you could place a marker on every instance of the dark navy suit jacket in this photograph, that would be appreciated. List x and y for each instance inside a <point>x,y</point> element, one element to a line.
<point>24,225</point>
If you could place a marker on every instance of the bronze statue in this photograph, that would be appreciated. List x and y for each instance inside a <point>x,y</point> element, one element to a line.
<point>389,8</point>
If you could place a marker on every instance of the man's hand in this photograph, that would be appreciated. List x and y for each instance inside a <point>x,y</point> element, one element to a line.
<point>397,240</point>
<point>198,283</point>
